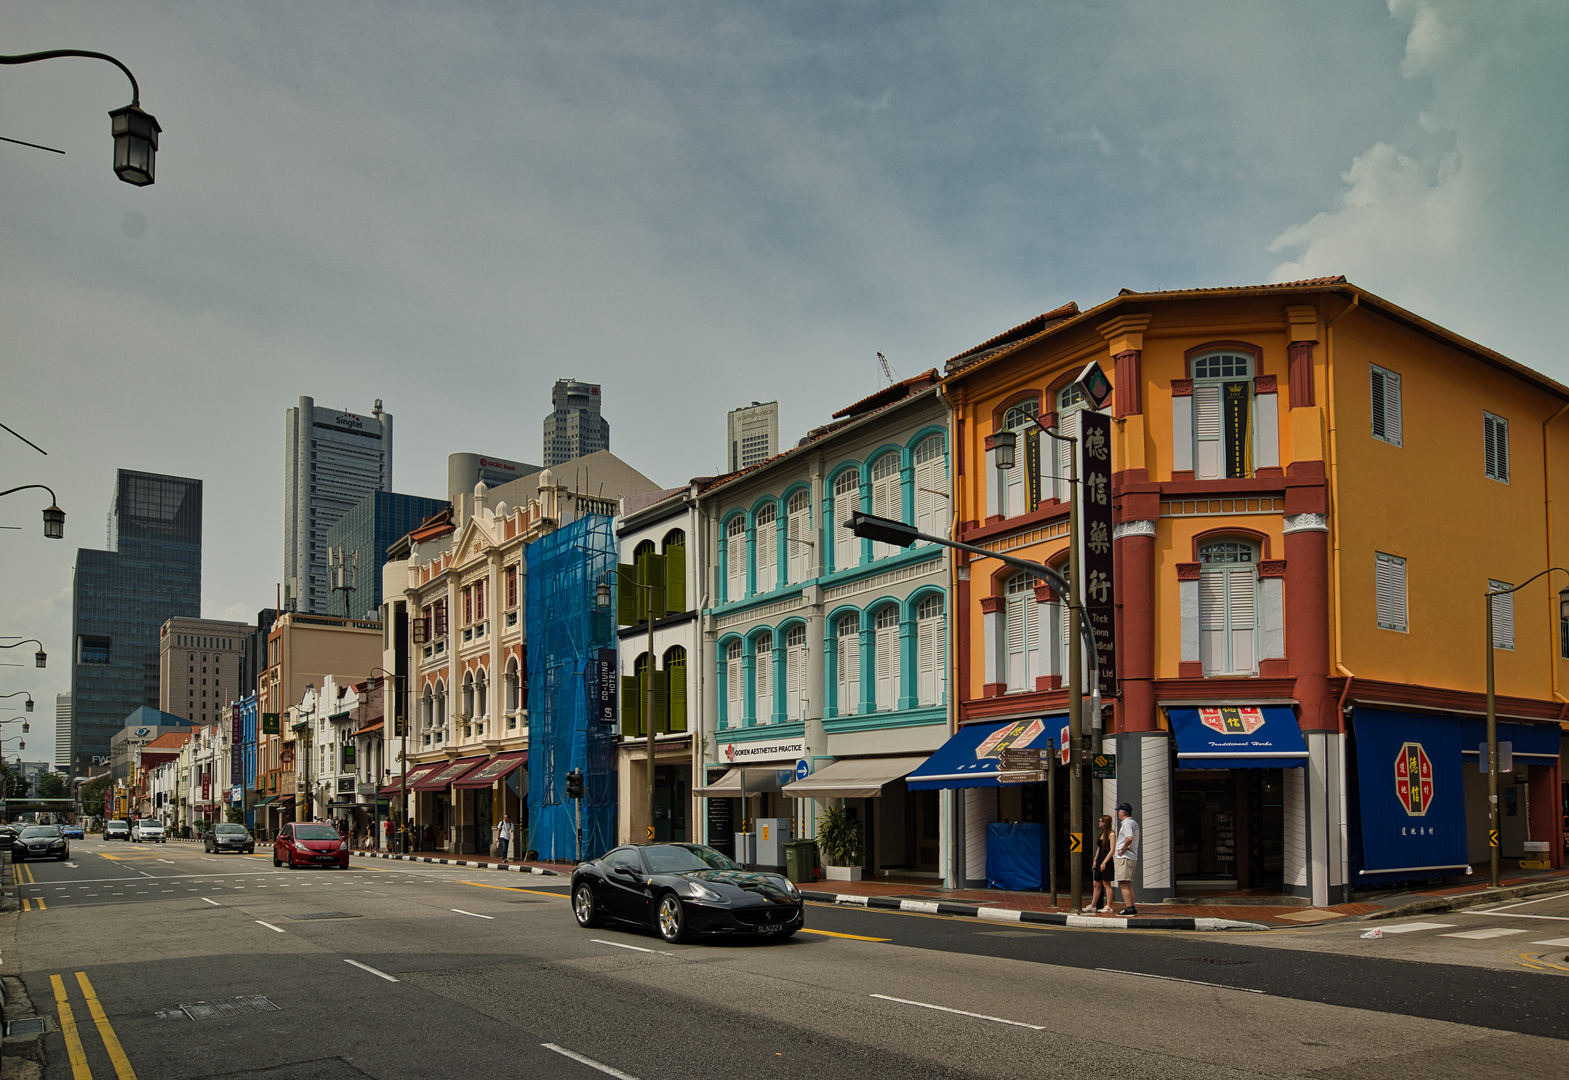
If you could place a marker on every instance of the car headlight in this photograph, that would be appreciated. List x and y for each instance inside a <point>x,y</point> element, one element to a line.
<point>58,843</point>
<point>698,891</point>
<point>790,890</point>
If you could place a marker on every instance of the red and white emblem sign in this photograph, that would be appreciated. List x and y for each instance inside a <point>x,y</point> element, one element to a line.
<point>1232,720</point>
<point>1414,779</point>
<point>1017,736</point>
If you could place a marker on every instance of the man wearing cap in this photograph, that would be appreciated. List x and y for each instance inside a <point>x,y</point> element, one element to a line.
<point>1125,856</point>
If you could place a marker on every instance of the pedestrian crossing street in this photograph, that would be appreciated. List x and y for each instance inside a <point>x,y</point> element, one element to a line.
<point>46,896</point>
<point>1485,933</point>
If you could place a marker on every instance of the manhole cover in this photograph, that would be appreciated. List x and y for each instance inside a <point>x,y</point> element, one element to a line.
<point>32,1025</point>
<point>327,915</point>
<point>1219,960</point>
<point>213,1010</point>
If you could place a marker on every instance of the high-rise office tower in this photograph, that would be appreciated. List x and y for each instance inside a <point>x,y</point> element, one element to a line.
<point>575,427</point>
<point>753,433</point>
<point>332,459</point>
<point>62,732</point>
<point>121,597</point>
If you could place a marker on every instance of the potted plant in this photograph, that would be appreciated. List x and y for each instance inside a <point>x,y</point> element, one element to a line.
<point>839,839</point>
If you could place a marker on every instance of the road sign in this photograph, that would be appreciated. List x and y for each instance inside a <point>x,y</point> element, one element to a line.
<point>650,834</point>
<point>1506,757</point>
<point>1103,767</point>
<point>1028,758</point>
<point>1075,843</point>
<point>803,769</point>
<point>1064,746</point>
<point>1492,837</point>
<point>1034,776</point>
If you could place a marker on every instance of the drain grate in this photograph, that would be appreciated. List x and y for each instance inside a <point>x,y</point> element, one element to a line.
<point>214,1010</point>
<point>328,915</point>
<point>1218,960</point>
<point>32,1025</point>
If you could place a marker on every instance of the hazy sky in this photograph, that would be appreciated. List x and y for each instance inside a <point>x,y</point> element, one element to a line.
<point>696,204</point>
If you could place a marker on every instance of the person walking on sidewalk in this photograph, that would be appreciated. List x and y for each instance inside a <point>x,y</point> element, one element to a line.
<point>504,836</point>
<point>1101,870</point>
<point>1125,856</point>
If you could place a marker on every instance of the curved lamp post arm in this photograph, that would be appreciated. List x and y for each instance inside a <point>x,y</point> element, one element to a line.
<point>24,487</point>
<point>54,517</point>
<point>135,131</point>
<point>50,54</point>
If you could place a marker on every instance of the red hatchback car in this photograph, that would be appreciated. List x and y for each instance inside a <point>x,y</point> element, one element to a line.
<point>307,844</point>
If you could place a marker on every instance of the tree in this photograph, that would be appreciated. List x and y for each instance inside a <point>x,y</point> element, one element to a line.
<point>16,784</point>
<point>93,794</point>
<point>53,786</point>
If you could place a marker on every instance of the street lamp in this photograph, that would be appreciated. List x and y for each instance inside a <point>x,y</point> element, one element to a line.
<point>646,604</point>
<point>135,132</point>
<point>54,517</point>
<point>40,658</point>
<point>29,698</point>
<point>1492,716</point>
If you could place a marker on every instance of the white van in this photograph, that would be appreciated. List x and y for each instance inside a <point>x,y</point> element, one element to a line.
<point>149,829</point>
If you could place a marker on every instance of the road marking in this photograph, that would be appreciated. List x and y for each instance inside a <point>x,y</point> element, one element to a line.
<point>1517,915</point>
<point>1522,903</point>
<point>27,905</point>
<point>1173,978</point>
<point>1557,942</point>
<point>269,926</point>
<point>367,967</point>
<point>144,873</point>
<point>1403,928</point>
<point>830,933</point>
<point>1482,935</point>
<point>43,907</point>
<point>509,888</point>
<point>634,948</point>
<point>475,914</point>
<point>215,903</point>
<point>590,1062</point>
<point>122,1065</point>
<point>961,1012</point>
<point>73,1041</point>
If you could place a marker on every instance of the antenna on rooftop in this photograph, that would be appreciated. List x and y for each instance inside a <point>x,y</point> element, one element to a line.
<point>888,371</point>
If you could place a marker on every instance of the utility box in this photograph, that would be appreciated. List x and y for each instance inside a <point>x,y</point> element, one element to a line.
<point>746,848</point>
<point>772,836</point>
<point>801,861</point>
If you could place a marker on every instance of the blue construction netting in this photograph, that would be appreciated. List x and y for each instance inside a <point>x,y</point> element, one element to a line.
<point>567,634</point>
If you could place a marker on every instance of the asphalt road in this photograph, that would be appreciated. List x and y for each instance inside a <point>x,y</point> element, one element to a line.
<point>394,970</point>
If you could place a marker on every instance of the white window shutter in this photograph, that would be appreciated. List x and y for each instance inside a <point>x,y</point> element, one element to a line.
<point>735,560</point>
<point>763,678</point>
<point>849,673</point>
<point>1390,591</point>
<point>794,670</point>
<point>1503,616</point>
<point>1386,405</point>
<point>767,543</point>
<point>940,659</point>
<point>1016,642</point>
<point>1060,486</point>
<point>1212,621</point>
<point>800,554</point>
<point>847,500</point>
<point>1240,606</point>
<point>1030,611</point>
<point>1209,461</point>
<point>887,668</point>
<point>733,712</point>
<point>925,666</point>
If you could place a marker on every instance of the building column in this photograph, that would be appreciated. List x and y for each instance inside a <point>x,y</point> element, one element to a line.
<point>1307,618</point>
<point>1134,547</point>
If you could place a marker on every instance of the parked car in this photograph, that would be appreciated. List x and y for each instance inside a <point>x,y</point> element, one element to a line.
<point>309,844</point>
<point>684,889</point>
<point>150,829</point>
<point>117,829</point>
<point>40,842</point>
<point>8,833</point>
<point>73,832</point>
<point>225,837</point>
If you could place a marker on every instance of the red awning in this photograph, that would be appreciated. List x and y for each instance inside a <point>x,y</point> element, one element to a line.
<point>416,772</point>
<point>443,776</point>
<point>493,770</point>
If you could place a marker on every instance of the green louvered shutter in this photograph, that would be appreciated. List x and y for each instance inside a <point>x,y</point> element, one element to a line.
<point>677,686</point>
<point>626,595</point>
<point>661,701</point>
<point>631,706</point>
<point>675,578</point>
<point>651,571</point>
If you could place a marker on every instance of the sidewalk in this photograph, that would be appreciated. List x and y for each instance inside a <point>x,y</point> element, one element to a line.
<point>478,862</point>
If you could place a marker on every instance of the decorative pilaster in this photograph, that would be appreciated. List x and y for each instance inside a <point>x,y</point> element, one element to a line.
<point>1133,549</point>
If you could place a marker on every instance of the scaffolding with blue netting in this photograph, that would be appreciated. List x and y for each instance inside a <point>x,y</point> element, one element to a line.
<point>567,632</point>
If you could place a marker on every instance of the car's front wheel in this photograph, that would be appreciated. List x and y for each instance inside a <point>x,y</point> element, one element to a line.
<point>671,918</point>
<point>275,860</point>
<point>584,906</point>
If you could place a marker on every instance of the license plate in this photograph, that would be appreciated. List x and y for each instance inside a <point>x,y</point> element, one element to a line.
<point>326,858</point>
<point>770,928</point>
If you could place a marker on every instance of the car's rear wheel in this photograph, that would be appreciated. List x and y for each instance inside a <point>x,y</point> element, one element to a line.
<point>584,906</point>
<point>670,920</point>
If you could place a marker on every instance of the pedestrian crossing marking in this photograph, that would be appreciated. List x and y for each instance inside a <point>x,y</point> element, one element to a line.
<point>1406,928</point>
<point>1482,935</point>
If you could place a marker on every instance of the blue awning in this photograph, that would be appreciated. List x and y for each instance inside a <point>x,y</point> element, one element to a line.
<point>1540,741</point>
<point>970,757</point>
<point>1238,737</point>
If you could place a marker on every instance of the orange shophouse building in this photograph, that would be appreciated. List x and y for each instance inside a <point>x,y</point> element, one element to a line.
<point>1313,492</point>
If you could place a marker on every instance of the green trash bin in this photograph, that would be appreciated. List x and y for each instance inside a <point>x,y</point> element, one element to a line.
<point>800,860</point>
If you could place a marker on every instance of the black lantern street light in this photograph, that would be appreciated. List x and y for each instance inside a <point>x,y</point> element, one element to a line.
<point>19,693</point>
<point>54,517</point>
<point>40,658</point>
<point>135,131</point>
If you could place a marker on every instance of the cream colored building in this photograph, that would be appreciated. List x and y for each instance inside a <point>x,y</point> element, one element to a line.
<point>199,667</point>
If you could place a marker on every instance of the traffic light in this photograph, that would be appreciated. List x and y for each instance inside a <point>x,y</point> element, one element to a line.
<point>575,784</point>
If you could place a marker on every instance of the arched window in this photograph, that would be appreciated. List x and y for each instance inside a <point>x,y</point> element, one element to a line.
<point>441,710</point>
<point>931,486</point>
<point>1058,460</point>
<point>767,548</point>
<point>427,711</point>
<point>847,638</point>
<point>1022,633</point>
<point>513,686</point>
<point>887,498</point>
<point>674,538</point>
<point>799,537</point>
<point>795,672</point>
<point>1013,484</point>
<point>735,558</point>
<point>1222,415</point>
<point>931,651</point>
<point>847,500</point>
<point>481,695</point>
<point>1228,606</point>
<point>885,645</point>
<point>763,677</point>
<point>468,696</point>
<point>646,547</point>
<point>734,710</point>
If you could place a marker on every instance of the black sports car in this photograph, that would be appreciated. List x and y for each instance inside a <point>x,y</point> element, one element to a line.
<point>682,889</point>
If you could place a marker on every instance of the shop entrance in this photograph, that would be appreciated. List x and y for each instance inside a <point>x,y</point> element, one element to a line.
<point>672,794</point>
<point>1229,830</point>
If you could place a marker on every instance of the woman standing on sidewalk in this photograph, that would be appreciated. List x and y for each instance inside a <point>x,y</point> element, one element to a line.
<point>1101,874</point>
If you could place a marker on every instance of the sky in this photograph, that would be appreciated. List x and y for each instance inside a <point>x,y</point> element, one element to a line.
<point>697,205</point>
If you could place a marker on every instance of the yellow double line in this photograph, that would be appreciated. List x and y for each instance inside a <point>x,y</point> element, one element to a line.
<point>24,874</point>
<point>28,902</point>
<point>73,1040</point>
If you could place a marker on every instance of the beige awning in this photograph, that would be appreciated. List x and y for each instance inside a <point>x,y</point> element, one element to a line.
<point>853,778</point>
<point>757,780</point>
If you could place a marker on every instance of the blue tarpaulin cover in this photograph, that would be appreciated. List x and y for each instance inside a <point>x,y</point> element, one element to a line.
<point>1013,855</point>
<point>970,757</point>
<point>1238,737</point>
<point>1411,795</point>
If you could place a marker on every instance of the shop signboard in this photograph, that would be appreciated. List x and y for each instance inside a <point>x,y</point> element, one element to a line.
<point>1095,555</point>
<point>749,753</point>
<point>603,686</point>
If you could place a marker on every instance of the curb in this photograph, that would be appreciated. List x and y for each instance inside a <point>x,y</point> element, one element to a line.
<point>1465,900</point>
<point>1052,918</point>
<point>458,862</point>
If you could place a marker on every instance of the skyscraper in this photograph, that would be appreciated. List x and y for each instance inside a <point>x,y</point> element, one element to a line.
<point>575,427</point>
<point>753,433</point>
<point>369,529</point>
<point>332,459</point>
<point>121,597</point>
<point>62,732</point>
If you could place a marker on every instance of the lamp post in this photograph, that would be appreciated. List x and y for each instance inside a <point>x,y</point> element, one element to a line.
<point>40,658</point>
<point>29,698</point>
<point>54,517</point>
<point>400,721</point>
<point>135,132</point>
<point>1492,716</point>
<point>645,603</point>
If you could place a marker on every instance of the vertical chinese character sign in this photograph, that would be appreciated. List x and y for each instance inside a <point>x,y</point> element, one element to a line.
<point>1100,606</point>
